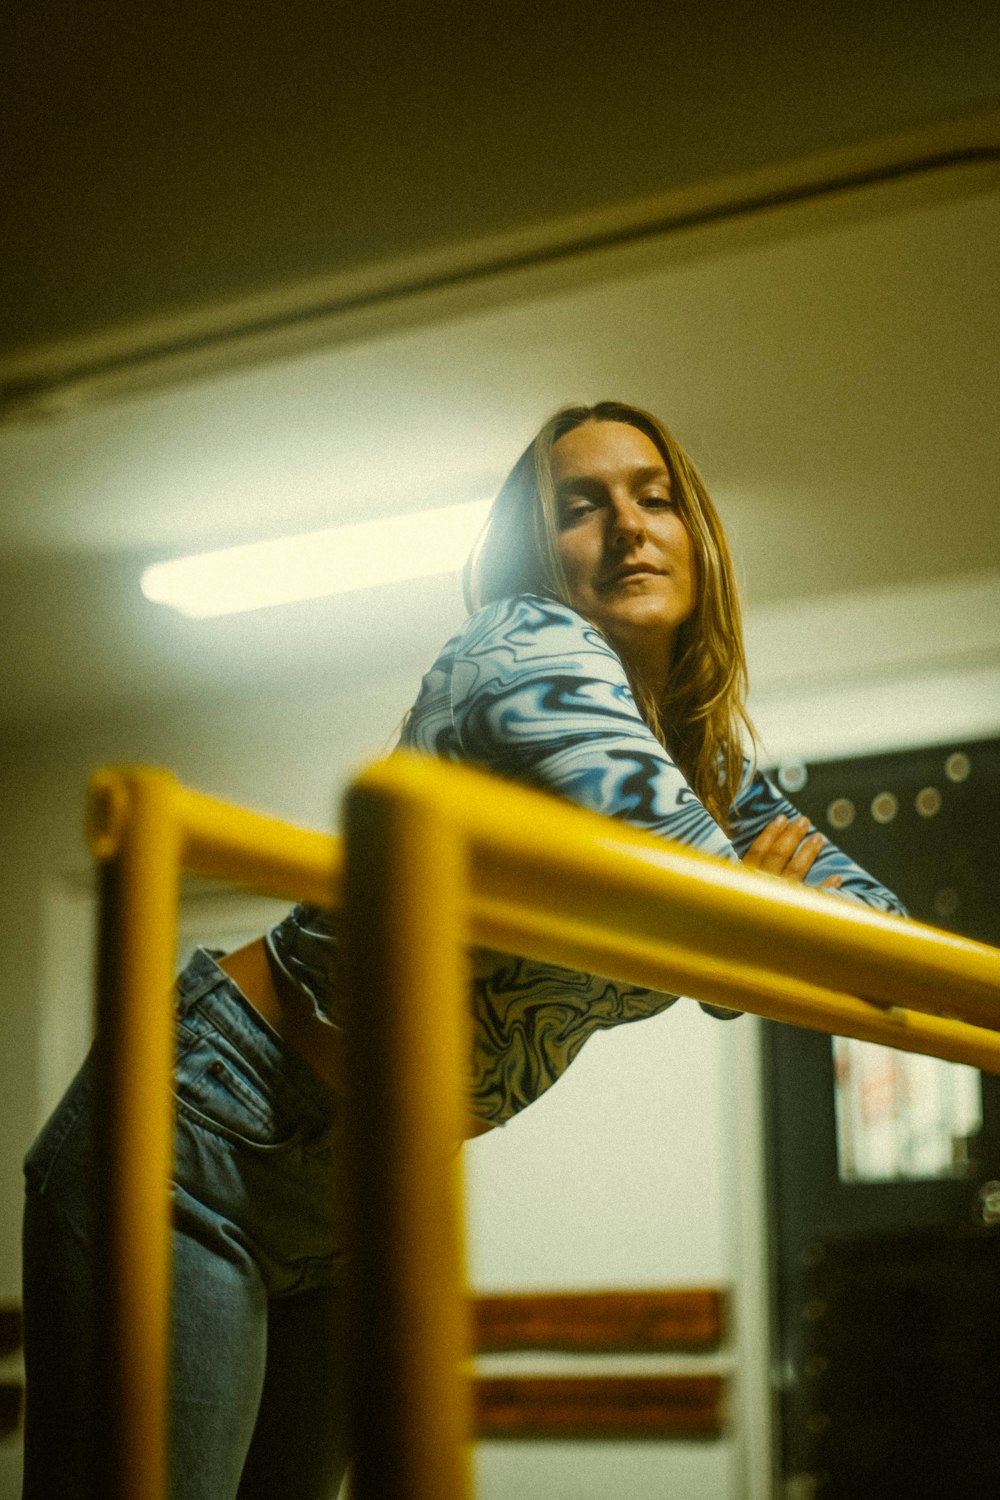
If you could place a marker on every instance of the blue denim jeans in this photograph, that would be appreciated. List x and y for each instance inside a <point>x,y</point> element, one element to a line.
<point>258,1267</point>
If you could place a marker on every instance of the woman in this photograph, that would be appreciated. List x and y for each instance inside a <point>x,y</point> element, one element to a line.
<point>603,661</point>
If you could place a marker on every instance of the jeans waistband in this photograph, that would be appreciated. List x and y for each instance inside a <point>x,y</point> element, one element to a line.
<point>224,1005</point>
<point>200,974</point>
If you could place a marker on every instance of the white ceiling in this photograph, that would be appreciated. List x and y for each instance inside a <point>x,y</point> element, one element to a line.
<point>833,368</point>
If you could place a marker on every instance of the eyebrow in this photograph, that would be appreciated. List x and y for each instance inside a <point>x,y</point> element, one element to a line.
<point>584,484</point>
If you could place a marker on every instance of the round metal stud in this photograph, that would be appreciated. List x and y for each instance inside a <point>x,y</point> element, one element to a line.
<point>793,777</point>
<point>928,801</point>
<point>957,766</point>
<point>884,807</point>
<point>841,813</point>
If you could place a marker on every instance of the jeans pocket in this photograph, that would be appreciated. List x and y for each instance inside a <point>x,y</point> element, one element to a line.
<point>220,1089</point>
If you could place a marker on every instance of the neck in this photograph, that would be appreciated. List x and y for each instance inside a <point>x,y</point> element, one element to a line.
<point>647,662</point>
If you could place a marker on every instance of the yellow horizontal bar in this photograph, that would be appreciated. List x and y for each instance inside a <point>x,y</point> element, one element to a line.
<point>556,883</point>
<point>548,863</point>
<point>277,859</point>
<point>721,981</point>
<point>224,841</point>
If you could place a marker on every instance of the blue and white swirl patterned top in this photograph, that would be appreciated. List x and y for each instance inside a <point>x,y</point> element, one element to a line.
<point>530,690</point>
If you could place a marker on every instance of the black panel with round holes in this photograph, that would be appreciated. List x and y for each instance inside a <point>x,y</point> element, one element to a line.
<point>887,1295</point>
<point>926,822</point>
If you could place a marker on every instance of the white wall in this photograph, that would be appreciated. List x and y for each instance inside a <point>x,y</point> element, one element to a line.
<point>639,1167</point>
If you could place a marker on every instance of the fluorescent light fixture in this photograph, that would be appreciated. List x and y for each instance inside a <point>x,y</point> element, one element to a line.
<point>316,563</point>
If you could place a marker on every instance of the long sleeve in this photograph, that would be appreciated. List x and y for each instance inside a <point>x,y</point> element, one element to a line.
<point>759,802</point>
<point>531,691</point>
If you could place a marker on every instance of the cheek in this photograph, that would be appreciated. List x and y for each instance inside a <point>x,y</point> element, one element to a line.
<point>675,539</point>
<point>575,558</point>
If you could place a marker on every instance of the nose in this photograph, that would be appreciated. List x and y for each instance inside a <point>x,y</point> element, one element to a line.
<point>628,522</point>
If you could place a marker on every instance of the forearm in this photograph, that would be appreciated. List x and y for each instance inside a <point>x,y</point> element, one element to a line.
<point>760,803</point>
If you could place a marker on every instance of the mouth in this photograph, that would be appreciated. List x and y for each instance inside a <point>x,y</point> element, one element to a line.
<point>629,573</point>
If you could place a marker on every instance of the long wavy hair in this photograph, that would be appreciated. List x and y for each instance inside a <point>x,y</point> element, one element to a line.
<point>701,719</point>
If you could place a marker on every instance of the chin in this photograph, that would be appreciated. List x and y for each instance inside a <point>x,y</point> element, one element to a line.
<point>654,619</point>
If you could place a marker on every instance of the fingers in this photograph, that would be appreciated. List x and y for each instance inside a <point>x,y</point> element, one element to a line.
<point>761,848</point>
<point>802,860</point>
<point>782,849</point>
<point>774,846</point>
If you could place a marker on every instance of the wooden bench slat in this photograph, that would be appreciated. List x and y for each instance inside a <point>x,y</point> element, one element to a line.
<point>688,1319</point>
<point>598,1406</point>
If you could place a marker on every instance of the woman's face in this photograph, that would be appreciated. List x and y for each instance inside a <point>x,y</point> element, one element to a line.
<point>626,553</point>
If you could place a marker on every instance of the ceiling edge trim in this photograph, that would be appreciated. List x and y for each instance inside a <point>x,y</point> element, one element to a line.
<point>45,382</point>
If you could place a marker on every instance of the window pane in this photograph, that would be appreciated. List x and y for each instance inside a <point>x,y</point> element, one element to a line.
<point>902,1116</point>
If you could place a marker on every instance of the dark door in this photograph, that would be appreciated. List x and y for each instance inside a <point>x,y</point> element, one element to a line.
<point>886,1246</point>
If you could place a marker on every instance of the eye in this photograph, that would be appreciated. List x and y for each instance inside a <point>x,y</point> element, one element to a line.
<point>573,511</point>
<point>658,502</point>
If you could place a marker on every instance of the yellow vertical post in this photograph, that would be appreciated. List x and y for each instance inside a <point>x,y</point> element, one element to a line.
<point>134,833</point>
<point>404,934</point>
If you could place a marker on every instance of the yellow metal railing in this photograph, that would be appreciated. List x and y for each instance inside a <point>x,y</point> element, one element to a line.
<point>439,858</point>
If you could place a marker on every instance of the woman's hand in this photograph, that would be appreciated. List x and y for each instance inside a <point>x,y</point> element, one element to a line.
<point>782,849</point>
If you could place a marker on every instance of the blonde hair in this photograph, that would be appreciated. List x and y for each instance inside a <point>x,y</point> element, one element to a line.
<point>702,719</point>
